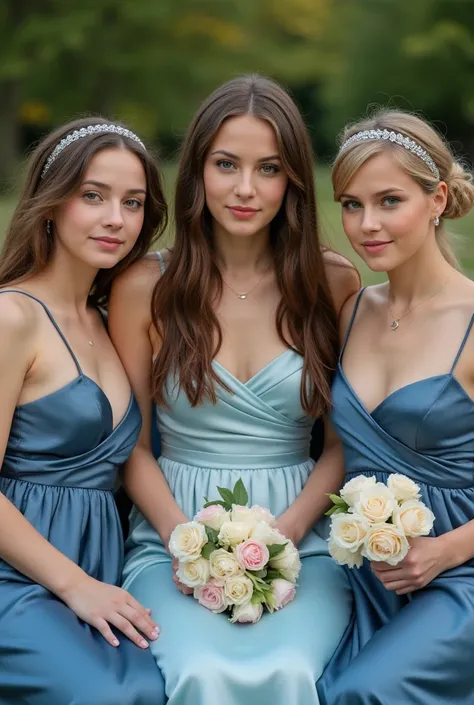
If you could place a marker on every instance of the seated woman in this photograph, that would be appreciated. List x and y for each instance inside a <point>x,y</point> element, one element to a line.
<point>404,403</point>
<point>236,328</point>
<point>69,635</point>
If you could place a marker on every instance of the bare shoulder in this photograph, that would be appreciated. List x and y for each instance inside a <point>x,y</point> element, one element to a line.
<point>343,278</point>
<point>367,301</point>
<point>19,325</point>
<point>137,282</point>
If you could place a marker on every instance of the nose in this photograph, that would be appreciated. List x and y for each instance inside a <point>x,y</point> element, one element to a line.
<point>370,221</point>
<point>244,187</point>
<point>113,217</point>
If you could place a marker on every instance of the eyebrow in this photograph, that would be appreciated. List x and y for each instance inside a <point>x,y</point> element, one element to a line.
<point>234,156</point>
<point>379,193</point>
<point>100,184</point>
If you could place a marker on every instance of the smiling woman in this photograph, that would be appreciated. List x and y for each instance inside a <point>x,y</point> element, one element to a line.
<point>92,204</point>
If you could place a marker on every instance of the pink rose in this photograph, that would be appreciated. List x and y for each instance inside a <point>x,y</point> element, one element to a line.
<point>283,592</point>
<point>252,554</point>
<point>213,516</point>
<point>211,596</point>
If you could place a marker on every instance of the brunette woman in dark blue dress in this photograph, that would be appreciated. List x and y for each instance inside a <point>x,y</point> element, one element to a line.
<point>68,634</point>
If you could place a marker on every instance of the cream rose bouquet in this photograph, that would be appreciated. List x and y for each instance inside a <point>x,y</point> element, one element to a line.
<point>234,558</point>
<point>372,520</point>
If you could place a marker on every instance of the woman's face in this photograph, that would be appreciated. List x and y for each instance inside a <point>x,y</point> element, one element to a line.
<point>386,215</point>
<point>102,220</point>
<point>243,177</point>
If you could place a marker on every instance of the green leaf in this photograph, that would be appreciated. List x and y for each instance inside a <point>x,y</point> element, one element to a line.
<point>212,535</point>
<point>273,574</point>
<point>217,501</point>
<point>208,548</point>
<point>227,496</point>
<point>240,493</point>
<point>335,499</point>
<point>257,598</point>
<point>276,549</point>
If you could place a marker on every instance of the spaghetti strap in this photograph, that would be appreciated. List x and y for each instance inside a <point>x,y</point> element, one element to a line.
<point>161,260</point>
<point>51,318</point>
<point>354,311</point>
<point>463,343</point>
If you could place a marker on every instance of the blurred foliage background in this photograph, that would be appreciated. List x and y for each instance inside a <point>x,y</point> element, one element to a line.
<point>151,62</point>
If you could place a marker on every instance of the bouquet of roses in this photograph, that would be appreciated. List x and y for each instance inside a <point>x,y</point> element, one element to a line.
<point>372,520</point>
<point>234,557</point>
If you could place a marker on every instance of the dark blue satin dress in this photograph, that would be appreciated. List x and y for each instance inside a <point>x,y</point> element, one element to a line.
<point>59,469</point>
<point>416,649</point>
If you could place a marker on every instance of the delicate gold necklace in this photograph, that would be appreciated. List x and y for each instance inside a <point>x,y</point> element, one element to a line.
<point>244,294</point>
<point>396,321</point>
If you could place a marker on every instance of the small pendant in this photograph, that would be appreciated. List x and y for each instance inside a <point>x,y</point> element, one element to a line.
<point>242,296</point>
<point>90,342</point>
<point>394,325</point>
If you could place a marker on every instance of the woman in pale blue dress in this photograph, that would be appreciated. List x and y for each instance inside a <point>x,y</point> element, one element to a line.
<point>69,634</point>
<point>236,329</point>
<point>403,401</point>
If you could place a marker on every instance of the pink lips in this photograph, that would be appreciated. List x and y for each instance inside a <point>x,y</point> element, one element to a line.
<point>108,243</point>
<point>242,212</point>
<point>376,246</point>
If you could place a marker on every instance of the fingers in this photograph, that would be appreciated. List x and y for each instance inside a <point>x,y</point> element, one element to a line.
<point>128,629</point>
<point>144,612</point>
<point>141,620</point>
<point>102,626</point>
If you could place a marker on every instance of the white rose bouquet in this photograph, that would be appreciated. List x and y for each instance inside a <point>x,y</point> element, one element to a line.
<point>372,520</point>
<point>234,558</point>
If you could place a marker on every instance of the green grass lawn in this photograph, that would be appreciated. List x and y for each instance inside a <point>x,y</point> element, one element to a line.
<point>330,220</point>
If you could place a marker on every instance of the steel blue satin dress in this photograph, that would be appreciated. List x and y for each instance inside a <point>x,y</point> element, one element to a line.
<point>259,433</point>
<point>59,469</point>
<point>416,649</point>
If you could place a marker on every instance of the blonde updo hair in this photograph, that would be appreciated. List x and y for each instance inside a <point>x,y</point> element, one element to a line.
<point>457,177</point>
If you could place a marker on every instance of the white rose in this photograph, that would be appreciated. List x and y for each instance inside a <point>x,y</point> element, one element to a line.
<point>241,513</point>
<point>353,559</point>
<point>349,530</point>
<point>238,589</point>
<point>376,502</point>
<point>213,516</point>
<point>351,491</point>
<point>413,518</point>
<point>403,487</point>
<point>265,533</point>
<point>223,564</point>
<point>187,540</point>
<point>262,514</point>
<point>234,532</point>
<point>287,562</point>
<point>193,573</point>
<point>387,543</point>
<point>246,613</point>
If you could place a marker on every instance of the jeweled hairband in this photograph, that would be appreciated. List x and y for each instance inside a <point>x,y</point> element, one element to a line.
<point>84,132</point>
<point>396,137</point>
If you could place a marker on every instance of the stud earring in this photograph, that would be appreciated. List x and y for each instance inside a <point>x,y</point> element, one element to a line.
<point>49,228</point>
<point>436,221</point>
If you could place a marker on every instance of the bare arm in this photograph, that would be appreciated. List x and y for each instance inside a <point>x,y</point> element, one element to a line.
<point>130,328</point>
<point>328,473</point>
<point>21,545</point>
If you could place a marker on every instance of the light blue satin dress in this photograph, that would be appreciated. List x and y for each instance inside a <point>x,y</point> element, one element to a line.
<point>257,432</point>
<point>415,649</point>
<point>59,469</point>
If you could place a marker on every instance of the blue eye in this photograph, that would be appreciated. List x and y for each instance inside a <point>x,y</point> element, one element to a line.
<point>391,200</point>
<point>91,196</point>
<point>225,164</point>
<point>134,203</point>
<point>351,205</point>
<point>270,169</point>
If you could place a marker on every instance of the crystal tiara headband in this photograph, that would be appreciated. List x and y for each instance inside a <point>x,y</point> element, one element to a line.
<point>396,137</point>
<point>84,132</point>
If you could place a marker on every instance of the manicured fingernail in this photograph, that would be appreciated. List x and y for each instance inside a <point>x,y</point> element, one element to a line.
<point>155,633</point>
<point>144,644</point>
<point>115,642</point>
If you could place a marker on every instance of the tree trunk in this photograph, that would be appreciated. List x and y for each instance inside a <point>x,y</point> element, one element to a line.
<point>9,133</point>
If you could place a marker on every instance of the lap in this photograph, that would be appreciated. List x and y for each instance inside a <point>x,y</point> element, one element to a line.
<point>247,659</point>
<point>423,655</point>
<point>51,656</point>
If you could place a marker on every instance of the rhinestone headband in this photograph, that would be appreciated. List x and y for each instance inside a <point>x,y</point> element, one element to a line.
<point>396,137</point>
<point>84,132</point>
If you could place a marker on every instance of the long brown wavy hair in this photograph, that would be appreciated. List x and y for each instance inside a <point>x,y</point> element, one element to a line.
<point>28,246</point>
<point>183,304</point>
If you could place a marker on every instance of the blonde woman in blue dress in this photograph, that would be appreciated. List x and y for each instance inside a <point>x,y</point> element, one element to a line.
<point>403,402</point>
<point>236,329</point>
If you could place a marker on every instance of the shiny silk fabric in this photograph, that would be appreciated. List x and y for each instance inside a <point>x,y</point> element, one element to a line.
<point>417,648</point>
<point>59,470</point>
<point>257,432</point>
